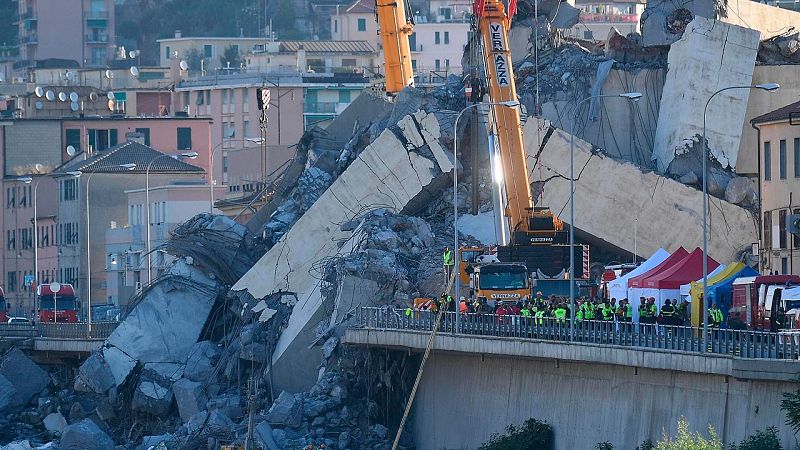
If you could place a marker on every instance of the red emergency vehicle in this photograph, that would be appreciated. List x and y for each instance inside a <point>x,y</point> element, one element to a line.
<point>59,307</point>
<point>756,300</point>
<point>3,309</point>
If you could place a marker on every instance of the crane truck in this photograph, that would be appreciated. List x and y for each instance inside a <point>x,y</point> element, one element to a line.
<point>536,243</point>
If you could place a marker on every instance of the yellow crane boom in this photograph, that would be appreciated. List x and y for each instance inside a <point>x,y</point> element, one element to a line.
<point>395,25</point>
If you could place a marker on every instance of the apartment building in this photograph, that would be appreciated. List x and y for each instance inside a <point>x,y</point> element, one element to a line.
<point>77,30</point>
<point>779,188</point>
<point>597,19</point>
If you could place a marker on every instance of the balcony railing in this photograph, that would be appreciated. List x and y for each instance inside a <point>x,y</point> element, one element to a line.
<point>321,108</point>
<point>609,18</point>
<point>30,38</point>
<point>97,38</point>
<point>97,15</point>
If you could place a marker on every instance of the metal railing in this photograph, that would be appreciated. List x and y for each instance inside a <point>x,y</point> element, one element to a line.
<point>77,331</point>
<point>739,343</point>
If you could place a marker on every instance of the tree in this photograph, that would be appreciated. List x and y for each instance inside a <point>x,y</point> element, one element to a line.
<point>532,435</point>
<point>686,440</point>
<point>761,440</point>
<point>791,406</point>
<point>231,56</point>
<point>193,58</point>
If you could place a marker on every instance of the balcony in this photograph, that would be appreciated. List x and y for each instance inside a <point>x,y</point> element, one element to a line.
<point>29,39</point>
<point>97,15</point>
<point>27,16</point>
<point>97,38</point>
<point>608,18</point>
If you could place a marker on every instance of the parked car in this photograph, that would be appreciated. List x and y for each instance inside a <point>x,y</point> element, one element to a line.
<point>20,320</point>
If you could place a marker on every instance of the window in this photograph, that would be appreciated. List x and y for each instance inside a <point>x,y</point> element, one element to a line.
<point>767,162</point>
<point>245,96</point>
<point>344,96</point>
<point>797,157</point>
<point>224,96</point>
<point>69,190</point>
<point>414,64</point>
<point>208,98</point>
<point>447,64</point>
<point>246,128</point>
<point>446,37</point>
<point>412,41</point>
<point>446,13</point>
<point>230,130</point>
<point>782,228</point>
<point>100,140</point>
<point>437,64</point>
<point>184,138</point>
<point>146,133</point>
<point>796,237</point>
<point>782,157</point>
<point>167,53</point>
<point>208,51</point>
<point>335,26</point>
<point>11,201</point>
<point>362,24</point>
<point>348,62</point>
<point>784,266</point>
<point>11,239</point>
<point>230,96</point>
<point>11,281</point>
<point>437,39</point>
<point>74,138</point>
<point>767,244</point>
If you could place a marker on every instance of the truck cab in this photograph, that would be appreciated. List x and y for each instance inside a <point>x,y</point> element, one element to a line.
<point>500,282</point>
<point>756,300</point>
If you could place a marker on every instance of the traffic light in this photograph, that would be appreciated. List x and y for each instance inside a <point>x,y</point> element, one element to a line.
<point>793,223</point>
<point>262,98</point>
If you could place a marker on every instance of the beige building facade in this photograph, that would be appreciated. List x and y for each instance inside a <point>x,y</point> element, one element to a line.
<point>779,186</point>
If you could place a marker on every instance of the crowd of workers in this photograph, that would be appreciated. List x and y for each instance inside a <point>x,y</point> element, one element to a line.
<point>557,308</point>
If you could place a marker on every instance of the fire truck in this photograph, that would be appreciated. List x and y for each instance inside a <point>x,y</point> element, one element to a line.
<point>57,307</point>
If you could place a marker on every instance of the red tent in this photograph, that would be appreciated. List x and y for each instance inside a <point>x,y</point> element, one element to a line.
<point>684,272</point>
<point>673,259</point>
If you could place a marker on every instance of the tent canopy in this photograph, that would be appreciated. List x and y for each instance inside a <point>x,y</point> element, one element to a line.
<point>721,292</point>
<point>618,288</point>
<point>696,287</point>
<point>713,277</point>
<point>674,258</point>
<point>680,273</point>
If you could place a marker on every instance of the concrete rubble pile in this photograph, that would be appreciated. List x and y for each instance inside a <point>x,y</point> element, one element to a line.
<point>781,49</point>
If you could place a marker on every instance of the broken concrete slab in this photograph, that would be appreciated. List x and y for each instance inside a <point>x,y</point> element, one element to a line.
<point>190,397</point>
<point>118,363</point>
<point>54,422</point>
<point>385,173</point>
<point>152,398</point>
<point>95,375</point>
<point>85,435</point>
<point>27,378</point>
<point>287,410</point>
<point>213,421</point>
<point>7,393</point>
<point>671,211</point>
<point>165,325</point>
<point>663,21</point>
<point>150,441</point>
<point>202,358</point>
<point>262,434</point>
<point>720,55</point>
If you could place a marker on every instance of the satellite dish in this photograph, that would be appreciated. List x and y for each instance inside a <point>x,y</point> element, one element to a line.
<point>135,71</point>
<point>93,96</point>
<point>50,95</point>
<point>71,150</point>
<point>73,97</point>
<point>38,167</point>
<point>184,65</point>
<point>111,105</point>
<point>74,106</point>
<point>55,287</point>
<point>39,104</point>
<point>133,53</point>
<point>62,96</point>
<point>110,95</point>
<point>70,75</point>
<point>109,74</point>
<point>39,91</point>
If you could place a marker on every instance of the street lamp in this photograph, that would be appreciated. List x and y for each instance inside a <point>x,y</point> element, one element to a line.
<point>211,167</point>
<point>626,95</point>
<point>507,104</point>
<point>128,166</point>
<point>190,155</point>
<point>769,87</point>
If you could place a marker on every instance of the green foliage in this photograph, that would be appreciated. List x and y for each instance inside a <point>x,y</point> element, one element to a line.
<point>647,445</point>
<point>8,30</point>
<point>193,57</point>
<point>231,56</point>
<point>686,440</point>
<point>531,435</point>
<point>761,440</point>
<point>791,406</point>
<point>604,446</point>
<point>285,22</point>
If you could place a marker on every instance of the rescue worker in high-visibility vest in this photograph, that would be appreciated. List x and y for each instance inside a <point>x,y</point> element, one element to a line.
<point>539,316</point>
<point>560,313</point>
<point>588,309</point>
<point>644,311</point>
<point>607,312</point>
<point>714,316</point>
<point>627,314</point>
<point>653,308</point>
<point>599,307</point>
<point>448,262</point>
<point>668,313</point>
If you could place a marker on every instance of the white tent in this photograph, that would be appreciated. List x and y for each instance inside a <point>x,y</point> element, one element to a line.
<point>686,288</point>
<point>618,288</point>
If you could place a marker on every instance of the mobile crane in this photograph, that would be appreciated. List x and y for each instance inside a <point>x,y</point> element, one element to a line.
<point>395,25</point>
<point>537,240</point>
